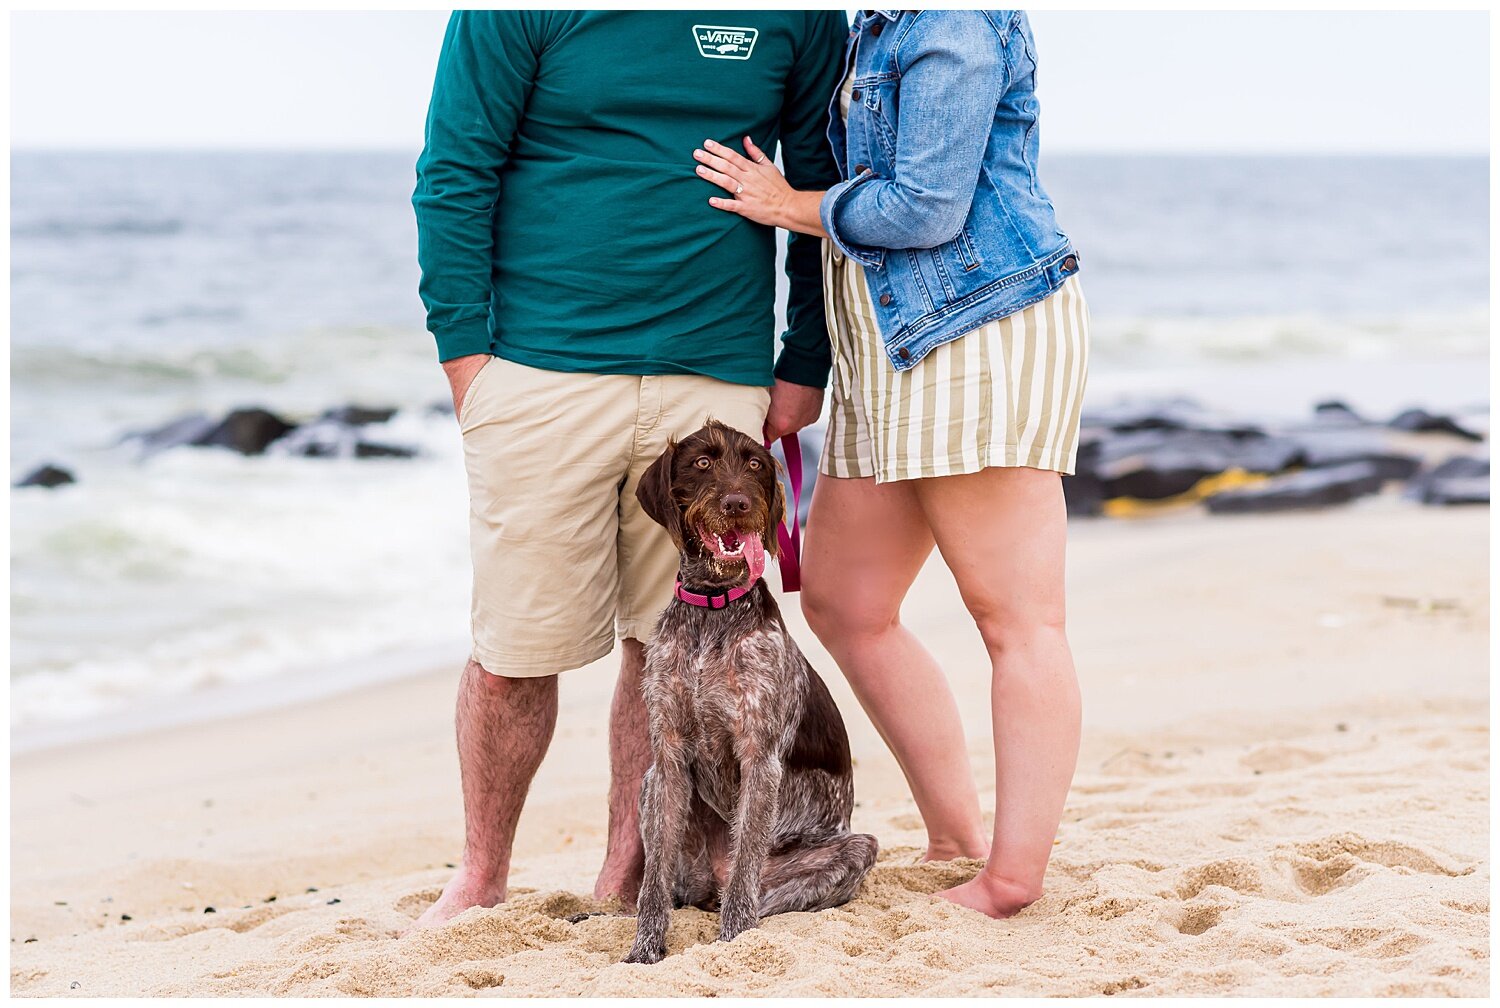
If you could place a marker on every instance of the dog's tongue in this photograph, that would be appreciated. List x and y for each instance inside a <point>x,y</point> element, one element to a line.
<point>755,555</point>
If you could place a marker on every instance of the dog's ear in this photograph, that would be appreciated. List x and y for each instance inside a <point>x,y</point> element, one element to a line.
<point>655,494</point>
<point>778,508</point>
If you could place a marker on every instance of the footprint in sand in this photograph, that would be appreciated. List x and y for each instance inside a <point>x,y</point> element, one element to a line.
<point>1196,920</point>
<point>1372,942</point>
<point>1237,874</point>
<point>239,921</point>
<point>1387,853</point>
<point>479,978</point>
<point>1318,867</point>
<point>413,903</point>
<point>1277,758</point>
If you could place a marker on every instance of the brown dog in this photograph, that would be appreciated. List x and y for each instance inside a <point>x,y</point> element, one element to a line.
<point>750,789</point>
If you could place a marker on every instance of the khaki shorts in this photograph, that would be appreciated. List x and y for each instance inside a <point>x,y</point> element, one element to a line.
<point>565,560</point>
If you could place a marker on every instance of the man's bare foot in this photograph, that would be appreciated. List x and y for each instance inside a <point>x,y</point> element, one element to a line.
<point>991,896</point>
<point>465,889</point>
<point>619,883</point>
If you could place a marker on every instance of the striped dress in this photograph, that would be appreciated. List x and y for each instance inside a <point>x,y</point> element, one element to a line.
<point>1009,393</point>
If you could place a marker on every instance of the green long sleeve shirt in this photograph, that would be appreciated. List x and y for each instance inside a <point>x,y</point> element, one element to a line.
<point>560,221</point>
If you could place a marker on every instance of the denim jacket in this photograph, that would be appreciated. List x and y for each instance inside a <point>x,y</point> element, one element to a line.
<point>940,200</point>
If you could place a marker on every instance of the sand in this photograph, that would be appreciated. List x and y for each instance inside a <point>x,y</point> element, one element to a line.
<point>1283,791</point>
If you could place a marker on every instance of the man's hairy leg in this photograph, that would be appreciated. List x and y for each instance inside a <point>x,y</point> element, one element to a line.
<point>629,756</point>
<point>504,728</point>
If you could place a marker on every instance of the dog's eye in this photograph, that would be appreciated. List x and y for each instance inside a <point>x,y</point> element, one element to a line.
<point>702,462</point>
<point>754,464</point>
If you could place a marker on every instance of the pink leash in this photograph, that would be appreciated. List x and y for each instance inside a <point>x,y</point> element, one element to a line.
<point>790,539</point>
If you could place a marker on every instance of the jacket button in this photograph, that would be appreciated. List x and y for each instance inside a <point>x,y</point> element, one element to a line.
<point>1069,264</point>
<point>859,169</point>
<point>885,299</point>
<point>875,28</point>
<point>854,95</point>
<point>904,353</point>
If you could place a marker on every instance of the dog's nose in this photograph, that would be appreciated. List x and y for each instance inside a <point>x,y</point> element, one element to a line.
<point>735,503</point>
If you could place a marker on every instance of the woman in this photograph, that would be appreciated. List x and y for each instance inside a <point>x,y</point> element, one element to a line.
<point>960,350</point>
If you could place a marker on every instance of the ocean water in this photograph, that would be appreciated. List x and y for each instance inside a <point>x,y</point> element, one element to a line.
<point>148,285</point>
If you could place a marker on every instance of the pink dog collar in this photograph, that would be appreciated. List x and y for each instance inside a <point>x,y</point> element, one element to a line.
<point>713,601</point>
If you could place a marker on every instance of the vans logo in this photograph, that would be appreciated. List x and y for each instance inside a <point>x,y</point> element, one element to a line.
<point>720,42</point>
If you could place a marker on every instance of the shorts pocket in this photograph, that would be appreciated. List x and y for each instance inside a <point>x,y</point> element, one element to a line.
<point>469,393</point>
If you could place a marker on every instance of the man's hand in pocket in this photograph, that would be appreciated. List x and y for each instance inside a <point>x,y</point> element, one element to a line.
<point>461,372</point>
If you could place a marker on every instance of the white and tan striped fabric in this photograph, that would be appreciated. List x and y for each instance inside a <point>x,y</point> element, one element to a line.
<point>1009,393</point>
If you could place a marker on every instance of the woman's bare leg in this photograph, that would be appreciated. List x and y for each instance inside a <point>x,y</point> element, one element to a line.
<point>865,545</point>
<point>1003,533</point>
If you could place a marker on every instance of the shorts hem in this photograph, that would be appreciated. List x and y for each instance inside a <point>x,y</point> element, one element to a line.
<point>635,629</point>
<point>535,666</point>
<point>1044,457</point>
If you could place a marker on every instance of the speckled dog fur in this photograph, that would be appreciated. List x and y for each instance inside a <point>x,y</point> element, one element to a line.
<point>746,806</point>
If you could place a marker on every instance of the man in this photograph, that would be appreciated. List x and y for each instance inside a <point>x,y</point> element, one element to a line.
<point>588,305</point>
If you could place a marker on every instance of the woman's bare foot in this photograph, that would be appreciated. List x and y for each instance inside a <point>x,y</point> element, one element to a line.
<point>977,847</point>
<point>464,890</point>
<point>991,896</point>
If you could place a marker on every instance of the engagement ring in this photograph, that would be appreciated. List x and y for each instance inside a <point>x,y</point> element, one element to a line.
<point>739,189</point>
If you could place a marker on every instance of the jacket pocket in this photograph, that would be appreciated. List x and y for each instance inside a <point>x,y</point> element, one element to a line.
<point>874,109</point>
<point>965,251</point>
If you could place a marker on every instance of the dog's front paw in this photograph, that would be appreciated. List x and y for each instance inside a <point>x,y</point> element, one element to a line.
<point>732,925</point>
<point>647,952</point>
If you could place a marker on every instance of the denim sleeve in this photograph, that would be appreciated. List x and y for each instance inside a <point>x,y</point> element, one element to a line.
<point>806,356</point>
<point>952,76</point>
<point>484,76</point>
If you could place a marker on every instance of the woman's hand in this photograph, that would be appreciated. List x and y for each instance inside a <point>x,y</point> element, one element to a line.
<point>757,190</point>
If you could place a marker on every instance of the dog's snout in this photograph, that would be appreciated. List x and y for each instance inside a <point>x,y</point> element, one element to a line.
<point>734,504</point>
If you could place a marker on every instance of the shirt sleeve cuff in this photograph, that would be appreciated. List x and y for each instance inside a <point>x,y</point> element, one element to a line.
<point>828,211</point>
<point>461,339</point>
<point>802,368</point>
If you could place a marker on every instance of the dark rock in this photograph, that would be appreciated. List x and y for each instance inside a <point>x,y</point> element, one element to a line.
<point>1458,490</point>
<point>359,416</point>
<point>1156,465</point>
<point>1326,449</point>
<point>1333,411</point>
<point>319,439</point>
<point>1424,422</point>
<point>247,431</point>
<point>1462,479</point>
<point>369,449</point>
<point>1312,488</point>
<point>1084,494</point>
<point>47,476</point>
<point>209,910</point>
<point>1259,453</point>
<point>1170,415</point>
<point>333,439</point>
<point>1165,473</point>
<point>185,430</point>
